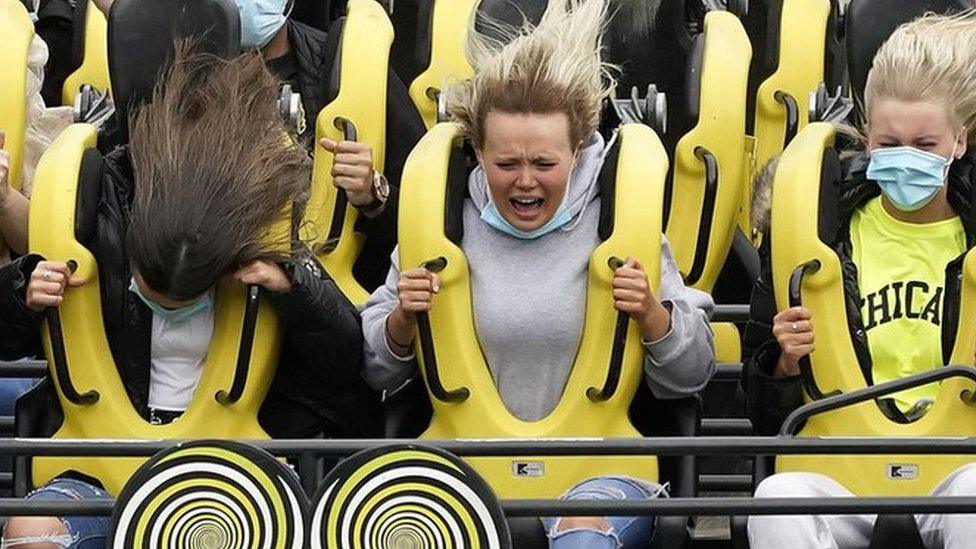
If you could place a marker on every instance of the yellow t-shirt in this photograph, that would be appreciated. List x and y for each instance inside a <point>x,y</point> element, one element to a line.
<point>901,277</point>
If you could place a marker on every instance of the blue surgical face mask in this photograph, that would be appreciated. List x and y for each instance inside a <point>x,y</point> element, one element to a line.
<point>172,315</point>
<point>909,177</point>
<point>493,217</point>
<point>260,21</point>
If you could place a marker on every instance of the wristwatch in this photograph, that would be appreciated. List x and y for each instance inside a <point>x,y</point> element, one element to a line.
<point>381,192</point>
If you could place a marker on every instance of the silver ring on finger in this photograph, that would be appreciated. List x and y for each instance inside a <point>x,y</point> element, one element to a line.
<point>794,327</point>
<point>47,276</point>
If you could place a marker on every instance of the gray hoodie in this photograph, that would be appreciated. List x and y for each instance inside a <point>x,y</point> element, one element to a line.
<point>529,300</point>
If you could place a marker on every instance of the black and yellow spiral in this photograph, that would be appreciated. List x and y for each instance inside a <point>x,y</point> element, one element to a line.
<point>211,495</point>
<point>406,497</point>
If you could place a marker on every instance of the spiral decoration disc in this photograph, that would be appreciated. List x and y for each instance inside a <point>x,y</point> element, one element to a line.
<point>211,495</point>
<point>406,497</point>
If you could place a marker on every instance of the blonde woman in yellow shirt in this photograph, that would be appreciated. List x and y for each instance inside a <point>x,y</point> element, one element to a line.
<point>903,221</point>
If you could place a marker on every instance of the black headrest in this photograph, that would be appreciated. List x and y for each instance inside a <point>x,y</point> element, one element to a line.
<point>871,22</point>
<point>510,12</point>
<point>141,42</point>
<point>317,13</point>
<point>650,41</point>
<point>88,197</point>
<point>408,52</point>
<point>762,25</point>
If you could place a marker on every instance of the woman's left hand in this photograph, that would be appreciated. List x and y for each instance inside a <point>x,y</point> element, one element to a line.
<point>632,295</point>
<point>267,274</point>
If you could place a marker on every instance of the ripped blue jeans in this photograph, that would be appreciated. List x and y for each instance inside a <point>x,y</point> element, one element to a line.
<point>83,532</point>
<point>624,532</point>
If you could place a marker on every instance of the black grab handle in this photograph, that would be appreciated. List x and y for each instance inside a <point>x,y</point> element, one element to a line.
<point>61,362</point>
<point>349,133</point>
<point>427,349</point>
<point>708,212</point>
<point>796,300</point>
<point>792,115</point>
<point>244,351</point>
<point>833,402</point>
<point>616,352</point>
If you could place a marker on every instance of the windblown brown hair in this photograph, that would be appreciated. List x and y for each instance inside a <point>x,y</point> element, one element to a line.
<point>214,170</point>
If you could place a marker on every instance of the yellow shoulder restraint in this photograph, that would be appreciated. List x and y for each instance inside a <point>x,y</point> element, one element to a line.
<point>94,65</point>
<point>449,28</point>
<point>358,113</point>
<point>17,32</point>
<point>609,361</point>
<point>782,100</point>
<point>89,388</point>
<point>710,167</point>
<point>815,270</point>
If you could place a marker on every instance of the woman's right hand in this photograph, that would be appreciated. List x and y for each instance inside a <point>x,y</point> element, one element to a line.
<point>793,330</point>
<point>415,291</point>
<point>47,284</point>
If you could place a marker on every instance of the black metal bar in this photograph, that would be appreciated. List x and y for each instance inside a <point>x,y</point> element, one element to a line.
<point>349,133</point>
<point>801,414</point>
<point>658,507</point>
<point>661,446</point>
<point>615,367</point>
<point>739,506</point>
<point>244,351</point>
<point>61,362</point>
<point>731,313</point>
<point>796,300</point>
<point>725,483</point>
<point>726,427</point>
<point>792,115</point>
<point>707,214</point>
<point>23,368</point>
<point>432,374</point>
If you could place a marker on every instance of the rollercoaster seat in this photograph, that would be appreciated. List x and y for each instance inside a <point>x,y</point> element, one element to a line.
<point>463,396</point>
<point>364,101</point>
<point>89,46</point>
<point>17,30</point>
<point>870,22</point>
<point>244,348</point>
<point>797,45</point>
<point>841,400</point>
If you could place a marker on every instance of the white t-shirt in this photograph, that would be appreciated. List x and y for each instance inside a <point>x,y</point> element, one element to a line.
<point>177,352</point>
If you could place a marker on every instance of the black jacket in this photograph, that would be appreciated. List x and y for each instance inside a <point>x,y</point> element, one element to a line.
<point>317,386</point>
<point>769,400</point>
<point>315,53</point>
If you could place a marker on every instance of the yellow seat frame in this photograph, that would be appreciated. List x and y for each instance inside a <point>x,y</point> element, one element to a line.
<point>363,67</point>
<point>641,171</point>
<point>17,32</point>
<point>795,240</point>
<point>89,358</point>
<point>94,65</point>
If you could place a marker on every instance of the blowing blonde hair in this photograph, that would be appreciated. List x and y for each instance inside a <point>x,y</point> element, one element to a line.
<point>932,58</point>
<point>551,67</point>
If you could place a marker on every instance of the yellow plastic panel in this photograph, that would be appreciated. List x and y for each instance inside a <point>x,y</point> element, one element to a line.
<point>721,130</point>
<point>728,345</point>
<point>89,358</point>
<point>802,43</point>
<point>16,31</point>
<point>449,28</point>
<point>366,38</point>
<point>835,366</point>
<point>94,64</point>
<point>641,171</point>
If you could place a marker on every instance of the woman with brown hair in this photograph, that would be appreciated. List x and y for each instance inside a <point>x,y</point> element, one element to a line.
<point>213,168</point>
